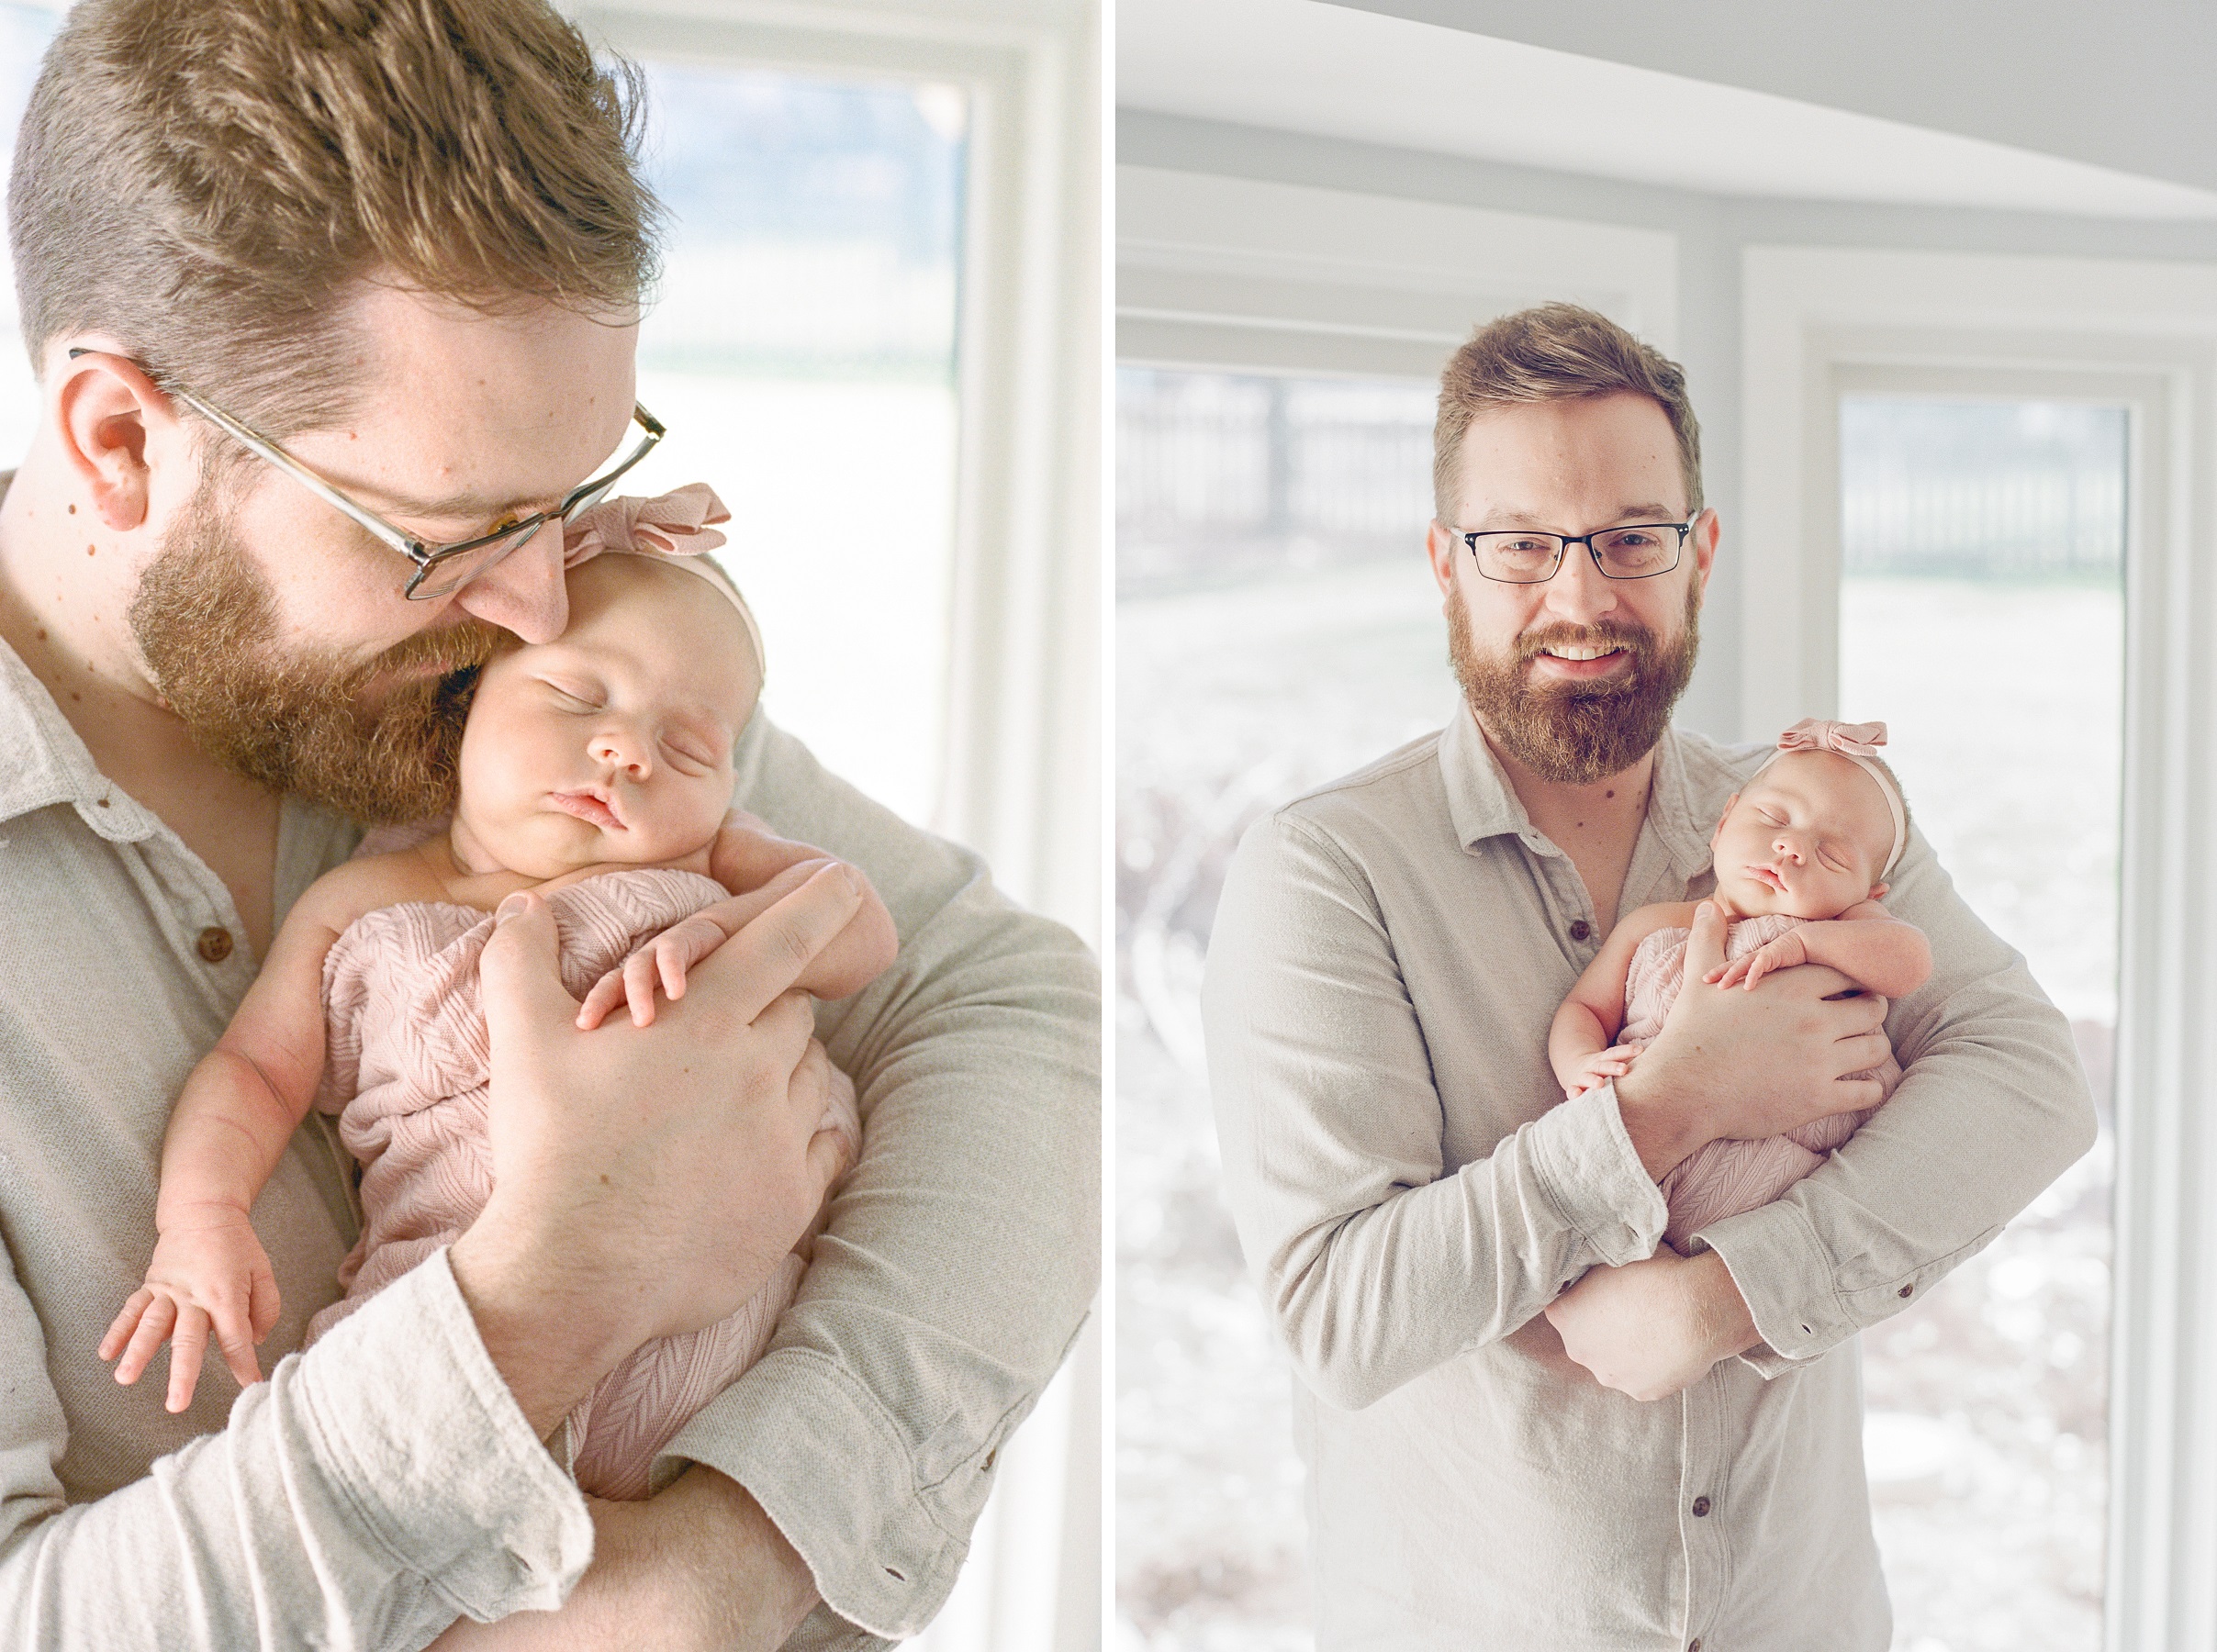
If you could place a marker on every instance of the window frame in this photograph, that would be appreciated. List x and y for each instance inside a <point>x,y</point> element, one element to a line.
<point>1819,321</point>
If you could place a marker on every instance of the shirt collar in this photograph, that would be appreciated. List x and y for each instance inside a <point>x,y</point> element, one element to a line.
<point>1483,804</point>
<point>49,762</point>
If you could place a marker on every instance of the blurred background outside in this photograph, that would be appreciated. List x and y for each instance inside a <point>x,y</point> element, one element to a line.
<point>1277,626</point>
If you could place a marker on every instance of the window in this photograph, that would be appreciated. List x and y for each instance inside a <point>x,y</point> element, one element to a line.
<point>1982,618</point>
<point>801,350</point>
<point>1270,562</point>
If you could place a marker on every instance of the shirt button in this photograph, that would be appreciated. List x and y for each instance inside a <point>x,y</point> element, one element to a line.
<point>1701,1507</point>
<point>1580,929</point>
<point>1904,1291</point>
<point>1693,1645</point>
<point>215,943</point>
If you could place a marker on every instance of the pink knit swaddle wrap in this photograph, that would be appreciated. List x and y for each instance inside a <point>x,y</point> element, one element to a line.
<point>1727,1177</point>
<point>406,1068</point>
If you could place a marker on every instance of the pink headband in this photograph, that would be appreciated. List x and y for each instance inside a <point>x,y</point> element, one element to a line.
<point>676,526</point>
<point>1859,743</point>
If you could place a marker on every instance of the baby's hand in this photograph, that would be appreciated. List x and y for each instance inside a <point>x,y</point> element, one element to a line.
<point>664,958</point>
<point>1599,1068</point>
<point>1785,953</point>
<point>213,1271</point>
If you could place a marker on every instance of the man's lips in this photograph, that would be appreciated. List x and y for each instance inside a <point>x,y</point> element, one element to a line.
<point>1577,661</point>
<point>590,807</point>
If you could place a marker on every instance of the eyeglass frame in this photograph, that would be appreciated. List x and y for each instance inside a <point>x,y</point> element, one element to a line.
<point>1563,542</point>
<point>425,555</point>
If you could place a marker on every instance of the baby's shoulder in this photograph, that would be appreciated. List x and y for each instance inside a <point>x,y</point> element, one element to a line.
<point>1641,922</point>
<point>356,888</point>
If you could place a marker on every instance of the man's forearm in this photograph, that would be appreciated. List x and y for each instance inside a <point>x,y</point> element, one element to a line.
<point>697,1567</point>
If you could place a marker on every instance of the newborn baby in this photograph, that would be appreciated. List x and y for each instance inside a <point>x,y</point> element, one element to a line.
<point>609,748</point>
<point>1801,856</point>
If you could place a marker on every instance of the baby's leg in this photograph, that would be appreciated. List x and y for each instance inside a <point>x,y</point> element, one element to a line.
<point>1727,1177</point>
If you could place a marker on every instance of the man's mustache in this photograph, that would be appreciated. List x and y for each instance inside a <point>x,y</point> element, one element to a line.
<point>1635,640</point>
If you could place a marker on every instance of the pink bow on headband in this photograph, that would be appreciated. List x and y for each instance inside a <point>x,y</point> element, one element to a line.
<point>670,524</point>
<point>1819,734</point>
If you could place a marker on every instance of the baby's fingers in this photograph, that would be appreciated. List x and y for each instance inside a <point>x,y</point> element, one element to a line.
<point>185,1353</point>
<point>638,986</point>
<point>126,1321</point>
<point>154,1326</point>
<point>670,957</point>
<point>607,993</point>
<point>235,1337</point>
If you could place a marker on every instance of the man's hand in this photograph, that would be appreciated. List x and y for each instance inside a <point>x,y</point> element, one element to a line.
<point>747,857</point>
<point>698,1568</point>
<point>1744,1064</point>
<point>645,1180</point>
<point>1650,1328</point>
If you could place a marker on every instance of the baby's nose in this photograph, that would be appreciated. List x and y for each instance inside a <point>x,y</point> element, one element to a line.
<point>620,752</point>
<point>1789,845</point>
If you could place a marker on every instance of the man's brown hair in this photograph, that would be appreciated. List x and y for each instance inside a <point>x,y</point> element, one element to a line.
<point>207,179</point>
<point>1556,352</point>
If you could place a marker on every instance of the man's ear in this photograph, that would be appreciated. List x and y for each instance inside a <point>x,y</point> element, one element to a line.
<point>1440,545</point>
<point>103,409</point>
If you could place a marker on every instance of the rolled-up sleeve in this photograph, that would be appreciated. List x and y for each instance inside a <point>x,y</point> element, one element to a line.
<point>1375,1262</point>
<point>1992,1108</point>
<point>962,1253</point>
<point>373,1489</point>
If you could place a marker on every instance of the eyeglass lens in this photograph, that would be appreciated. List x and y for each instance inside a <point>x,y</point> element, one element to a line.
<point>1633,552</point>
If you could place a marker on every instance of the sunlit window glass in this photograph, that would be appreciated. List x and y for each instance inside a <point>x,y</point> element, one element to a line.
<point>1982,618</point>
<point>1276,626</point>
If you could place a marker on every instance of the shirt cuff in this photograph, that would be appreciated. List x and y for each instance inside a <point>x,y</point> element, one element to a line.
<point>1785,1276</point>
<point>816,1450</point>
<point>1585,1164</point>
<point>421,1436</point>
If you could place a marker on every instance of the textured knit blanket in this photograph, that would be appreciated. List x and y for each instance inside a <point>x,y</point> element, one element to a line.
<point>1724,1178</point>
<point>407,1071</point>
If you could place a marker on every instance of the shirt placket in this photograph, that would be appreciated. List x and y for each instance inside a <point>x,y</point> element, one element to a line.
<point>1701,1513</point>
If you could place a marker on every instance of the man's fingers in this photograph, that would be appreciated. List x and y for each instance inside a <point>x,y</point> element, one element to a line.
<point>262,1316</point>
<point>518,978</point>
<point>829,1158</point>
<point>766,957</point>
<point>788,1027</point>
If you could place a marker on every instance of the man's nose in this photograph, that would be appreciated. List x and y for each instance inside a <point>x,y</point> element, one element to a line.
<point>1579,594</point>
<point>523,592</point>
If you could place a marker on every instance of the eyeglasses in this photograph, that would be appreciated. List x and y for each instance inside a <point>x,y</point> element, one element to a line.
<point>1636,550</point>
<point>441,570</point>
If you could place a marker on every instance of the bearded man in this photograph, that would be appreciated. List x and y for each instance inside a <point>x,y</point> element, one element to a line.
<point>1668,1455</point>
<point>333,306</point>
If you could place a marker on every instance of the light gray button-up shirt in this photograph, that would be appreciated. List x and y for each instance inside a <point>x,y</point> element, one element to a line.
<point>386,1481</point>
<point>1411,1191</point>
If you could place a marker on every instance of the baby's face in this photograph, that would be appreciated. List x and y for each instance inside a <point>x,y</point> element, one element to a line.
<point>1806,838</point>
<point>613,742</point>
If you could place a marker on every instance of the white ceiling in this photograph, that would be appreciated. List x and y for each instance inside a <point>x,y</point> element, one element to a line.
<point>1299,66</point>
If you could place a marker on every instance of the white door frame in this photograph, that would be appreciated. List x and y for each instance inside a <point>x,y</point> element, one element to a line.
<point>1819,321</point>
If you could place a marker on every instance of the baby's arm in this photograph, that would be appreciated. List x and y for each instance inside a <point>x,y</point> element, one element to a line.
<point>1582,1040</point>
<point>238,1108</point>
<point>770,869</point>
<point>1866,943</point>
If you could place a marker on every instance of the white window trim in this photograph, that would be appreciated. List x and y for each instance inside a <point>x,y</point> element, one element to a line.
<point>1021,773</point>
<point>1240,275</point>
<point>1820,320</point>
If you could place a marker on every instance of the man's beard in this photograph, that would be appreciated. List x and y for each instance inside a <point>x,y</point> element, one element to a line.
<point>310,724</point>
<point>1576,732</point>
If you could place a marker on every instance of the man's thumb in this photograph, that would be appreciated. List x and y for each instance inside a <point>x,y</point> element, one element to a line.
<point>1705,945</point>
<point>518,976</point>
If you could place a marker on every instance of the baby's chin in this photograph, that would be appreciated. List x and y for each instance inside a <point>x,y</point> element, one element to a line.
<point>544,846</point>
<point>1751,897</point>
